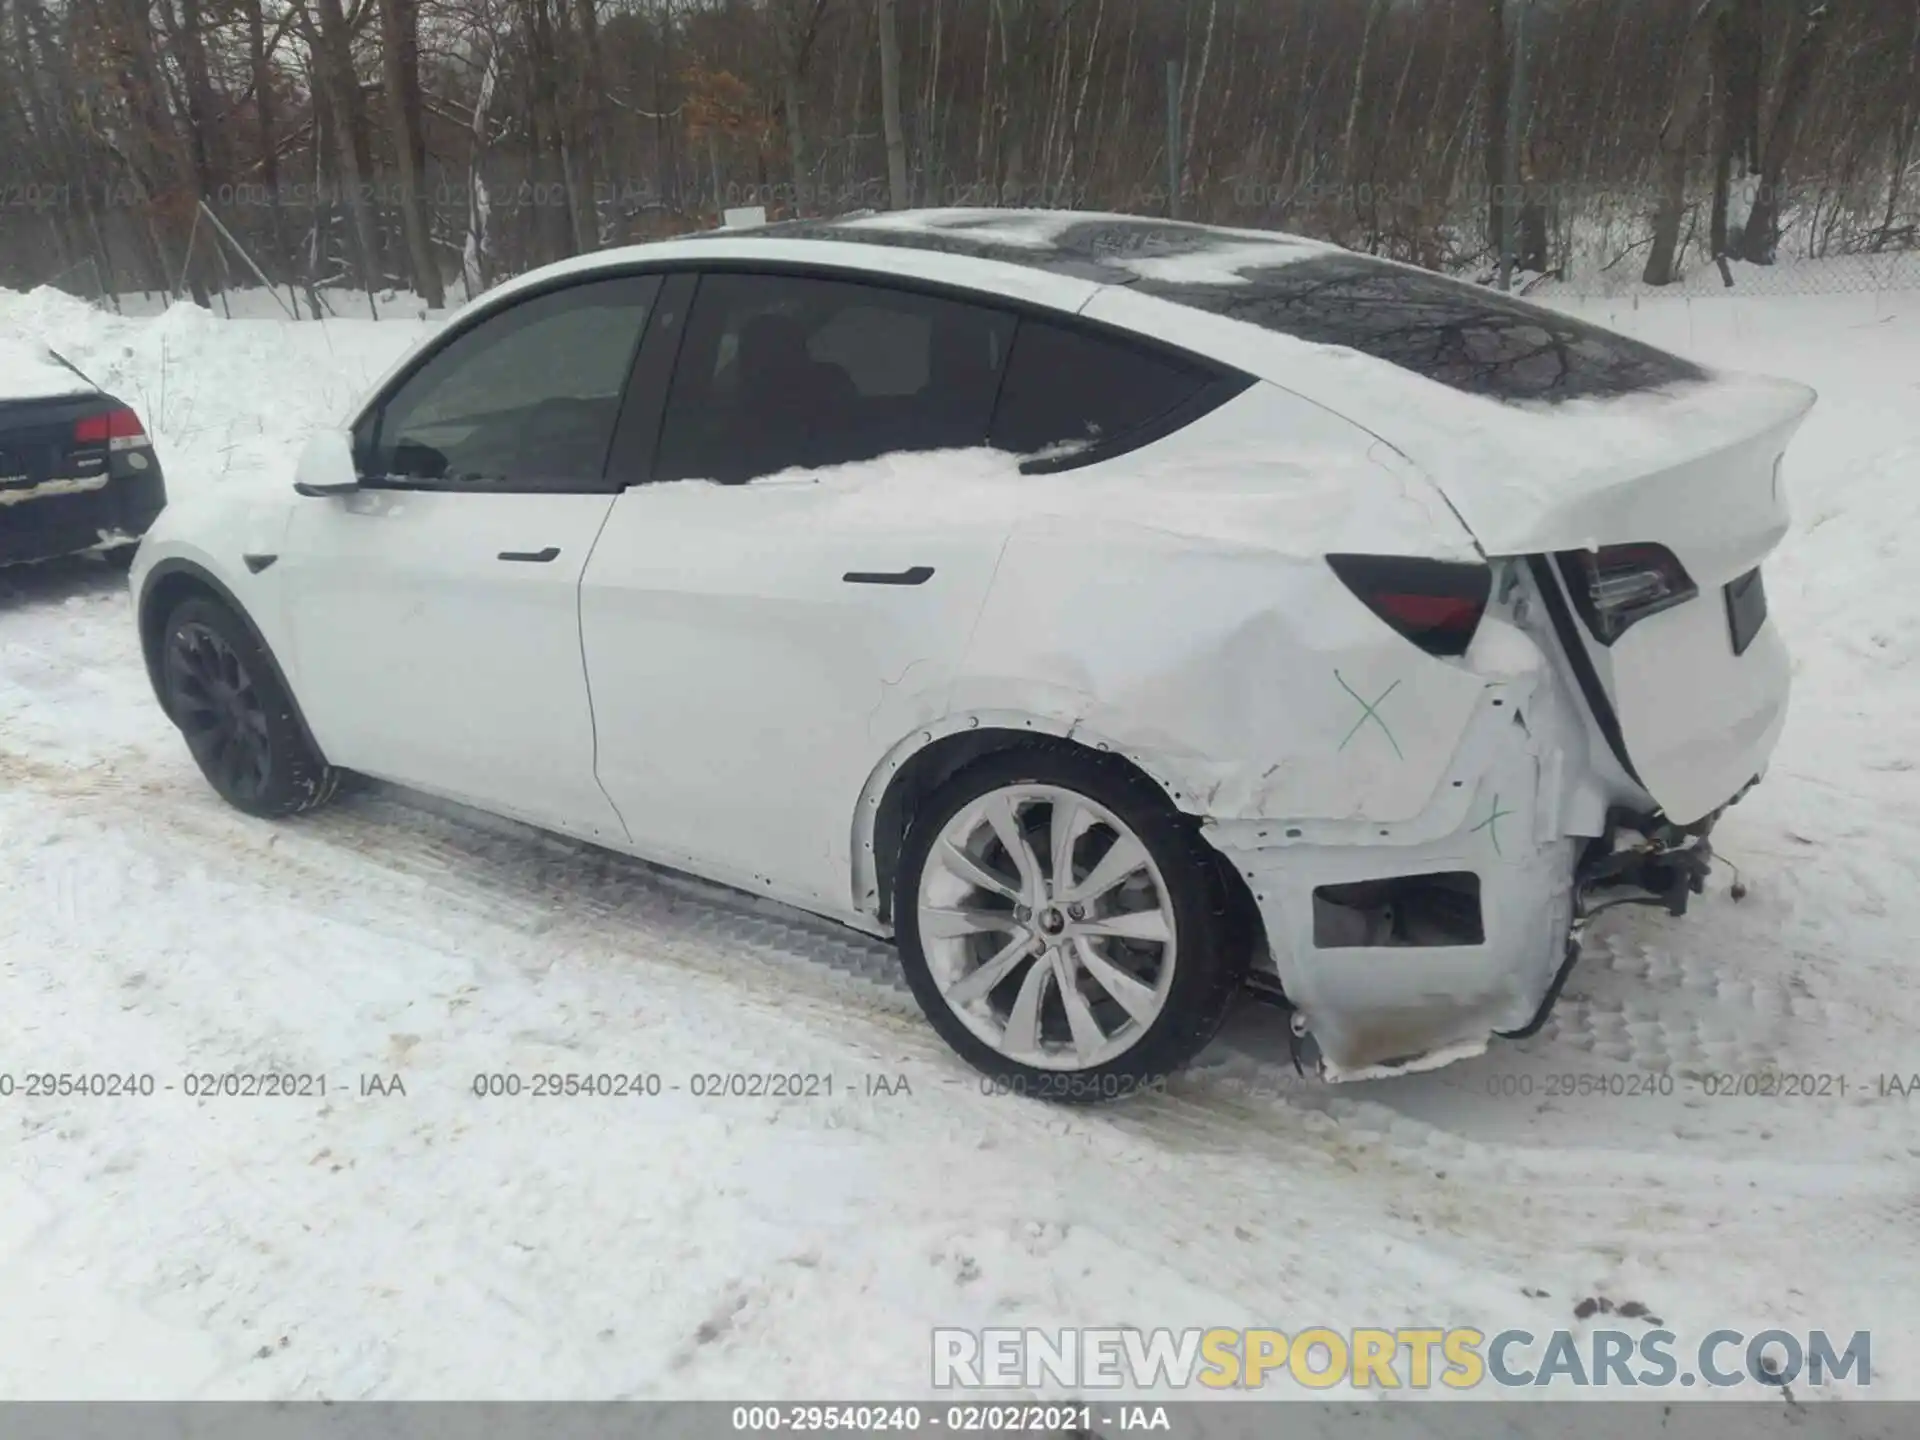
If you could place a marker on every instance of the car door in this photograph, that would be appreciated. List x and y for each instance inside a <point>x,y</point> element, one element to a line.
<point>434,609</point>
<point>775,601</point>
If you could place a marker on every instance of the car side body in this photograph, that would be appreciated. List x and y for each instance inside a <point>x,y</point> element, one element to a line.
<point>1243,597</point>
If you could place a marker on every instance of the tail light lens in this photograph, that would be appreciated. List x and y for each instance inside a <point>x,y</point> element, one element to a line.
<point>1618,586</point>
<point>117,429</point>
<point>1437,604</point>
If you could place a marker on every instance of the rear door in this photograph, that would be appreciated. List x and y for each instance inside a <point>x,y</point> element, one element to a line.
<point>781,595</point>
<point>434,611</point>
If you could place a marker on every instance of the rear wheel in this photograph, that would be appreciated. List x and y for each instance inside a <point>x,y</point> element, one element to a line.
<point>237,717</point>
<point>1063,927</point>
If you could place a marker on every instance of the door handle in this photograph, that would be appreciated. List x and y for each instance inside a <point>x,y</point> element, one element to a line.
<point>537,557</point>
<point>918,575</point>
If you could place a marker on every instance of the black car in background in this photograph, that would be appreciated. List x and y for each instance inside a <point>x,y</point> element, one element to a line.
<point>77,471</point>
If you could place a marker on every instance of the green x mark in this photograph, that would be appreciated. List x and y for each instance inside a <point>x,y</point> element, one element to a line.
<point>1369,712</point>
<point>1492,824</point>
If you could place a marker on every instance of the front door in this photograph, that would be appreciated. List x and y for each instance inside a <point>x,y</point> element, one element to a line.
<point>434,610</point>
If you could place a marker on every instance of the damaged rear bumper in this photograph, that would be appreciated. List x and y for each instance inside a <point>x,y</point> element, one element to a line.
<point>1400,948</point>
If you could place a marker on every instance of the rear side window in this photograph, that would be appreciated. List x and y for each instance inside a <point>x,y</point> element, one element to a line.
<point>1459,335</point>
<point>1068,391</point>
<point>786,371</point>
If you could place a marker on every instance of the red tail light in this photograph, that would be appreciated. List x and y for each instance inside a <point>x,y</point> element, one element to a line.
<point>1437,604</point>
<point>119,424</point>
<point>1618,586</point>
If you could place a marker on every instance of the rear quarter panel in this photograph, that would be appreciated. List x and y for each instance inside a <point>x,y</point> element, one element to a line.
<point>1175,605</point>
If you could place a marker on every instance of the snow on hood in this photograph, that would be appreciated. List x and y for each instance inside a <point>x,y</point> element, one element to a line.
<point>29,372</point>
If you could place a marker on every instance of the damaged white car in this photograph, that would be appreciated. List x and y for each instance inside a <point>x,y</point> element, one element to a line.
<point>1126,616</point>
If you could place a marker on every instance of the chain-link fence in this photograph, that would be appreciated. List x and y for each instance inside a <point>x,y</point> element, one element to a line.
<point>1889,271</point>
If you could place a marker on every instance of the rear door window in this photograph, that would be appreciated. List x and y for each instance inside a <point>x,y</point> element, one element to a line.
<point>779,372</point>
<point>1070,392</point>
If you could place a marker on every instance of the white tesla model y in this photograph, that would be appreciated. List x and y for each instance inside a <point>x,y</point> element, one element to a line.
<point>1122,615</point>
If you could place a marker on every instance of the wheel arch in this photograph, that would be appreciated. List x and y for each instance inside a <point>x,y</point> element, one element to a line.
<point>923,761</point>
<point>170,583</point>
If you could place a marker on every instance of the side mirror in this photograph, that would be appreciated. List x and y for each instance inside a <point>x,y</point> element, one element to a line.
<point>326,465</point>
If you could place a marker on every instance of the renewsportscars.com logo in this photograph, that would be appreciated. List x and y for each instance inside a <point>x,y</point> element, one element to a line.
<point>1321,1358</point>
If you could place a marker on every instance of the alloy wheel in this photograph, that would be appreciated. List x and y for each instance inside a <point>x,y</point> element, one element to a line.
<point>1047,927</point>
<point>215,704</point>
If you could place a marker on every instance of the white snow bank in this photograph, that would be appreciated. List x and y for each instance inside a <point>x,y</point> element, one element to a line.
<point>28,372</point>
<point>227,402</point>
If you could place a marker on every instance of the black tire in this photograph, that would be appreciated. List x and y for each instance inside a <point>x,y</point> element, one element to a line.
<point>225,695</point>
<point>1211,941</point>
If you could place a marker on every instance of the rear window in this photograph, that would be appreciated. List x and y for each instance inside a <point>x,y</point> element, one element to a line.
<point>1068,392</point>
<point>1460,335</point>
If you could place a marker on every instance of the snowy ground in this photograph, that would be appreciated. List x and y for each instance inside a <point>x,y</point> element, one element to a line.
<point>438,1244</point>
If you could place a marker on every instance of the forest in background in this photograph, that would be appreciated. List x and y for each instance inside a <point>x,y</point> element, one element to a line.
<point>436,146</point>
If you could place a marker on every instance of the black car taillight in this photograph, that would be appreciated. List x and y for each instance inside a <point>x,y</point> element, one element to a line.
<point>1437,604</point>
<point>117,429</point>
<point>1617,586</point>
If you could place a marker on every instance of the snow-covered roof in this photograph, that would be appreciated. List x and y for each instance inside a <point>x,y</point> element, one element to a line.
<point>29,372</point>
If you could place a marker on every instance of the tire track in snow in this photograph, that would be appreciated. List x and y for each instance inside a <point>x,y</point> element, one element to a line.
<point>1166,1146</point>
<point>572,904</point>
<point>1240,1130</point>
<point>566,900</point>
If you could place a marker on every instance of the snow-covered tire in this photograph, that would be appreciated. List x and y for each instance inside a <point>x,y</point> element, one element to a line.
<point>225,695</point>
<point>962,891</point>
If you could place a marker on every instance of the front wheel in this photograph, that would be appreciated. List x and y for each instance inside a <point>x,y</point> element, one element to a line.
<point>236,715</point>
<point>1063,926</point>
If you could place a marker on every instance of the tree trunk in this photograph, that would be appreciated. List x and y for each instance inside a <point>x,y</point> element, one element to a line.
<point>798,26</point>
<point>473,264</point>
<point>1723,141</point>
<point>1499,80</point>
<point>1690,89</point>
<point>400,56</point>
<point>1903,143</point>
<point>553,222</point>
<point>203,126</point>
<point>591,129</point>
<point>334,62</point>
<point>897,195</point>
<point>796,139</point>
<point>1760,242</point>
<point>166,165</point>
<point>261,66</point>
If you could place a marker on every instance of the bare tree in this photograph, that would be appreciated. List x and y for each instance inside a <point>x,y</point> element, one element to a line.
<point>1676,140</point>
<point>575,122</point>
<point>1760,240</point>
<point>331,45</point>
<point>890,105</point>
<point>796,28</point>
